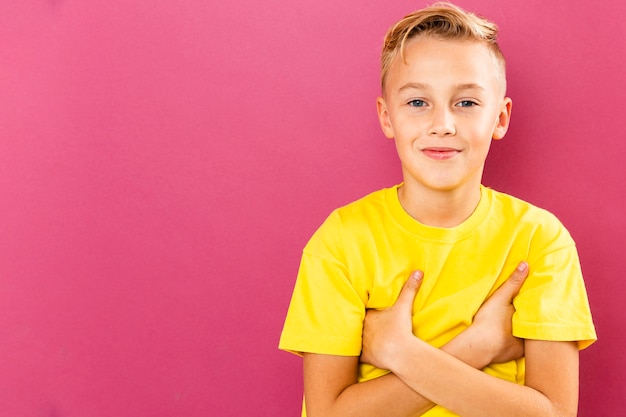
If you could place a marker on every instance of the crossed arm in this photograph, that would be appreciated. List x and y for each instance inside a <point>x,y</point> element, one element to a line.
<point>422,376</point>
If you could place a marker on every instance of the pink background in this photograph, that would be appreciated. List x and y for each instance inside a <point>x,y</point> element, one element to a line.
<point>163,162</point>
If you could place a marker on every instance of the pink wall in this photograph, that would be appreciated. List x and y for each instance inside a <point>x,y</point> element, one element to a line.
<point>163,162</point>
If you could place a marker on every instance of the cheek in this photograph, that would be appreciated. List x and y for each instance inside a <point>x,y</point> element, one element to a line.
<point>409,125</point>
<point>407,154</point>
<point>483,129</point>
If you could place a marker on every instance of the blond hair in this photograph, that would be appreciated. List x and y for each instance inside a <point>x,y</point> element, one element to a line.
<point>441,21</point>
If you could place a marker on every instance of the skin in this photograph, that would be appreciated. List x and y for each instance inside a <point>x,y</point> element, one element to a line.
<point>443,105</point>
<point>551,369</point>
<point>330,382</point>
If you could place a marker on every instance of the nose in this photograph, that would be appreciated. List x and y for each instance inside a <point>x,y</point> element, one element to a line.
<point>442,122</point>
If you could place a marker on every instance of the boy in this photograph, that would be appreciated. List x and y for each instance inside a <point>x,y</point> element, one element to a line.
<point>445,342</point>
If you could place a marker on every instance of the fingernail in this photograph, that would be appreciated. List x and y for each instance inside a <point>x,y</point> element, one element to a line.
<point>522,266</point>
<point>417,275</point>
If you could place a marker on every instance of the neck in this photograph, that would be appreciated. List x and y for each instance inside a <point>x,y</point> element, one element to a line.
<point>439,208</point>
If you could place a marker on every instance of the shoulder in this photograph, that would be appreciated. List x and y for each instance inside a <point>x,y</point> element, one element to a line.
<point>366,208</point>
<point>524,216</point>
<point>508,205</point>
<point>353,219</point>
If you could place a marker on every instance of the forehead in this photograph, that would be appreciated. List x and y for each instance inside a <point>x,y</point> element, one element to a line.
<point>435,62</point>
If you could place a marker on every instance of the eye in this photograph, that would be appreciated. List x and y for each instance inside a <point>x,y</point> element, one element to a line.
<point>417,103</point>
<point>466,103</point>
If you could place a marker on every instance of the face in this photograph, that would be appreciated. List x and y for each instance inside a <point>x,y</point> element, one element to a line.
<point>443,104</point>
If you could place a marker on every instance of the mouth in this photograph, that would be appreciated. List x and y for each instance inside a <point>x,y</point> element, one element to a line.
<point>440,154</point>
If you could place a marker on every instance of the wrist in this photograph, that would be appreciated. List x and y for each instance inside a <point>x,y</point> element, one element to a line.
<point>404,350</point>
<point>470,347</point>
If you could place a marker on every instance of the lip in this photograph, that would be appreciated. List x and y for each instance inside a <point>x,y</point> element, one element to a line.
<point>440,154</point>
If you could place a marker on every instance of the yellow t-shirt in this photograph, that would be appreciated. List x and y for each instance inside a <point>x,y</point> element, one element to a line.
<point>364,252</point>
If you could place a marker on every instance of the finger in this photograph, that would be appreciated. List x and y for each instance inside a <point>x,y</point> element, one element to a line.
<point>512,285</point>
<point>409,289</point>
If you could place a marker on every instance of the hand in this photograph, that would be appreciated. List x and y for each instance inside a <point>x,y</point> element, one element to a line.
<point>492,327</point>
<point>385,330</point>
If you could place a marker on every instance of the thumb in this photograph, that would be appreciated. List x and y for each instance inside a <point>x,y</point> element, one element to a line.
<point>409,289</point>
<point>512,285</point>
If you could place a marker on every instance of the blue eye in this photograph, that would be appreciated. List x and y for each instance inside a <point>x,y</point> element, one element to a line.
<point>466,103</point>
<point>417,103</point>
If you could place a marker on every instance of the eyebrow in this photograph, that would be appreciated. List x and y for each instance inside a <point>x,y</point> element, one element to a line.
<point>458,87</point>
<point>470,86</point>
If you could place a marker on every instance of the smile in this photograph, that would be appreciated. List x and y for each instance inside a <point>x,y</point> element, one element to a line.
<point>440,154</point>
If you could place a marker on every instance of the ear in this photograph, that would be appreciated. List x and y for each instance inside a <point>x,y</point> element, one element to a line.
<point>504,117</point>
<point>383,117</point>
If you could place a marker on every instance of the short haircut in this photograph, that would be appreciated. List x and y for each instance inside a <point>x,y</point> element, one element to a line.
<point>441,21</point>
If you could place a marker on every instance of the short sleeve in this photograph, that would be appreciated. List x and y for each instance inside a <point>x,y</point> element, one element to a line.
<point>326,312</point>
<point>552,304</point>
